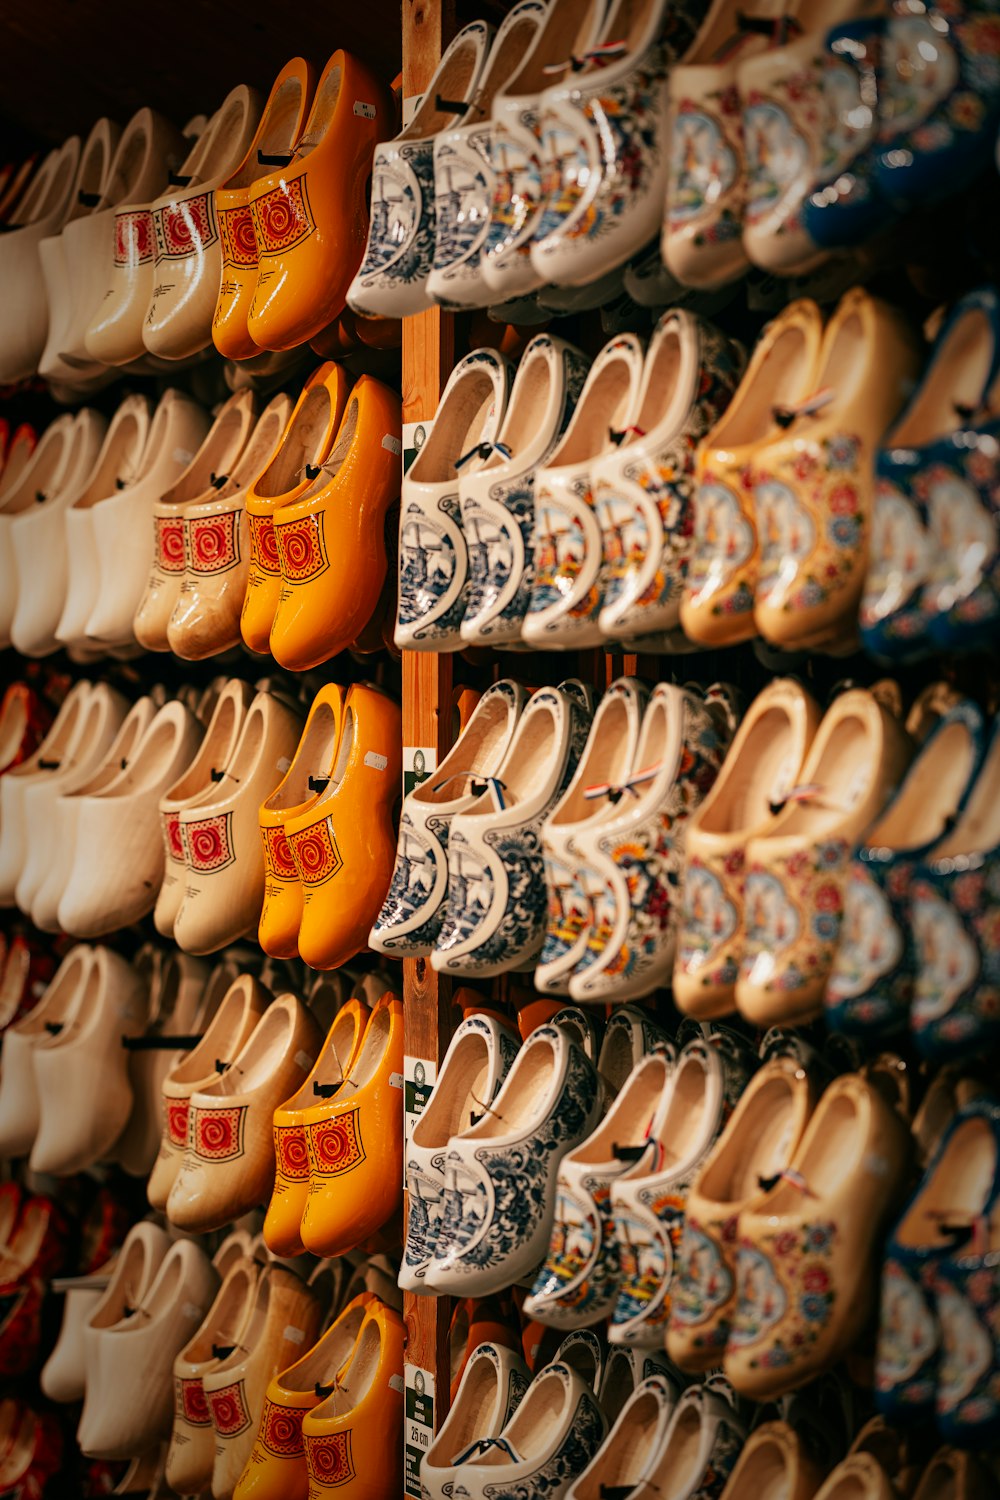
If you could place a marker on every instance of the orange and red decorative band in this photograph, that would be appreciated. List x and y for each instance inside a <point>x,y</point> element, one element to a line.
<point>282,217</point>
<point>184,228</point>
<point>263,549</point>
<point>301,549</point>
<point>290,1153</point>
<point>217,1134</point>
<point>230,1415</point>
<point>169,541</point>
<point>134,239</point>
<point>208,843</point>
<point>191,1403</point>
<point>315,851</point>
<point>278,859</point>
<point>335,1145</point>
<point>329,1460</point>
<point>213,542</point>
<point>239,243</point>
<point>281,1430</point>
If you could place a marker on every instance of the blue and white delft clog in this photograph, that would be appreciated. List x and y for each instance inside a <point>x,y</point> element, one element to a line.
<point>870,988</point>
<point>412,913</point>
<point>495,917</point>
<point>490,1392</point>
<point>500,1174</point>
<point>629,1455</point>
<point>630,1034</point>
<point>475,1065</point>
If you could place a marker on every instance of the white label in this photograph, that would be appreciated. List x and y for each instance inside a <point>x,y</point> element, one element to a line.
<point>375,761</point>
<point>875,1165</point>
<point>191,1310</point>
<point>410,106</point>
<point>419,1078</point>
<point>396,1383</point>
<point>294,1335</point>
<point>391,444</point>
<point>415,435</point>
<point>395,1080</point>
<point>283,765</point>
<point>366,111</point>
<point>418,1425</point>
<point>304,1061</point>
<point>182,456</point>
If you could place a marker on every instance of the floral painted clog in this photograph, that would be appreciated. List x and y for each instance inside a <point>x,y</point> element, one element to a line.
<point>607,761</point>
<point>643,491</point>
<point>955,917</point>
<point>966,1292</point>
<point>763,764</point>
<point>283,1220</point>
<point>205,619</point>
<point>548,1442</point>
<point>754,1149</point>
<point>648,1208</point>
<point>297,462</point>
<point>492,1387</point>
<point>578,1284</point>
<point>280,127</point>
<point>463,174</point>
<point>793,895</point>
<point>563,47</point>
<point>343,845</point>
<point>495,917</point>
<point>804,1282</point>
<point>633,1447</point>
<point>475,1065</point>
<point>498,500</point>
<point>354,1141</point>
<point>934,572</point>
<point>392,279</point>
<point>717,605</point>
<point>564,603</point>
<point>500,1174</point>
<point>354,1438</point>
<point>939,98</point>
<point>813,490</point>
<point>958,1197</point>
<point>330,540</point>
<point>412,913</point>
<point>308,213</point>
<point>871,982</point>
<point>433,557</point>
<point>708,176</point>
<point>630,864</point>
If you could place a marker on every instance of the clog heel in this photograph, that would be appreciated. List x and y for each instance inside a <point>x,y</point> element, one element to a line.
<point>302,785</point>
<point>309,218</point>
<point>280,127</point>
<point>276,1468</point>
<point>344,845</point>
<point>305,445</point>
<point>353,1142</point>
<point>762,766</point>
<point>796,870</point>
<point>292,1184</point>
<point>814,488</point>
<point>716,608</point>
<point>330,541</point>
<point>221,448</point>
<point>354,1438</point>
<point>206,616</point>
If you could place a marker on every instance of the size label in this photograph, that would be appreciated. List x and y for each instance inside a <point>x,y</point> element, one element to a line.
<point>418,763</point>
<point>419,1078</point>
<point>418,1425</point>
<point>366,111</point>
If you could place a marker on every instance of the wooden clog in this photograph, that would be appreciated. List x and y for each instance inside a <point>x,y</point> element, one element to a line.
<point>40,213</point>
<point>20,1107</point>
<point>42,474</point>
<point>494,1381</point>
<point>775,1464</point>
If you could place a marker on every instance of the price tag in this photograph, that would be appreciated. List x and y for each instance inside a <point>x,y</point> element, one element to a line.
<point>418,1426</point>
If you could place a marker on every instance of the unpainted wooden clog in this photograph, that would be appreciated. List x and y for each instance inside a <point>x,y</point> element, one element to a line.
<point>42,474</point>
<point>775,1464</point>
<point>39,214</point>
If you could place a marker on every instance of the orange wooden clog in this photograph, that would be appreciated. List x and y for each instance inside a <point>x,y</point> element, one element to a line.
<point>310,218</point>
<point>306,441</point>
<point>354,1439</point>
<point>331,541</point>
<point>344,847</point>
<point>302,786</point>
<point>280,127</point>
<point>355,1142</point>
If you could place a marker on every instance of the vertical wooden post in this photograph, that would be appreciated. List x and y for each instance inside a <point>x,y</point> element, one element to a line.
<point>428,357</point>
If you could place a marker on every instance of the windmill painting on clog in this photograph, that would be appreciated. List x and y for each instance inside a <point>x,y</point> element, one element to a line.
<point>392,279</point>
<point>644,489</point>
<point>433,556</point>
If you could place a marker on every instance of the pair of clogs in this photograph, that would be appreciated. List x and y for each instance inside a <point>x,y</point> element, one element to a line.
<point>785,483</point>
<point>316,517</point>
<point>326,831</point>
<point>337,1138</point>
<point>937,1356</point>
<point>48,1106</point>
<point>291,215</point>
<point>769,851</point>
<point>107,523</point>
<point>260,1322</point>
<point>933,579</point>
<point>920,901</point>
<point>467,514</point>
<point>162,261</point>
<point>332,1423</point>
<point>614,845</point>
<point>214,872</point>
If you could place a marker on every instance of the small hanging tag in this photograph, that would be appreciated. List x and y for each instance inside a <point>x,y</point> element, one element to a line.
<point>392,444</point>
<point>304,1061</point>
<point>294,1335</point>
<point>374,761</point>
<point>395,1080</point>
<point>363,110</point>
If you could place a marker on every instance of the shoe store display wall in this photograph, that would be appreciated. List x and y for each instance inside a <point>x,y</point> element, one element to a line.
<point>500,755</point>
